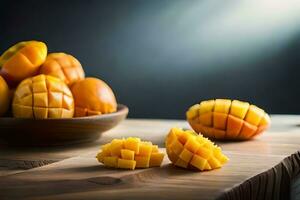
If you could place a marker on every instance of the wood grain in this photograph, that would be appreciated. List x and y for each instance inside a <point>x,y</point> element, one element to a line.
<point>262,168</point>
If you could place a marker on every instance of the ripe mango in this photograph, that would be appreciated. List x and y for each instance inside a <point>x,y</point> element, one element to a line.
<point>130,153</point>
<point>63,66</point>
<point>42,97</point>
<point>4,97</point>
<point>93,96</point>
<point>227,119</point>
<point>187,149</point>
<point>22,60</point>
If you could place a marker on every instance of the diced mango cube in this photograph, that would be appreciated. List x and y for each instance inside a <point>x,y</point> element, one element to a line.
<point>239,109</point>
<point>206,106</point>
<point>156,159</point>
<point>115,147</point>
<point>181,163</point>
<point>145,149</point>
<point>193,111</point>
<point>198,162</point>
<point>214,163</point>
<point>110,161</point>
<point>142,161</point>
<point>254,115</point>
<point>192,144</point>
<point>132,144</point>
<point>127,154</point>
<point>206,119</point>
<point>186,155</point>
<point>222,105</point>
<point>176,147</point>
<point>154,148</point>
<point>126,164</point>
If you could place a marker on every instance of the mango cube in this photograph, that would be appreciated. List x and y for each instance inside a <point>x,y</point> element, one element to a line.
<point>195,152</point>
<point>142,161</point>
<point>156,159</point>
<point>130,153</point>
<point>126,164</point>
<point>110,161</point>
<point>127,154</point>
<point>226,119</point>
<point>132,144</point>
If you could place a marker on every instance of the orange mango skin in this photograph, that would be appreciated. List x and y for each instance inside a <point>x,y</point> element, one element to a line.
<point>63,66</point>
<point>23,60</point>
<point>93,97</point>
<point>230,125</point>
<point>4,97</point>
<point>42,97</point>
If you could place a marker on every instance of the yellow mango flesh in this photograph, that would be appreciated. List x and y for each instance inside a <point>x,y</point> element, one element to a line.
<point>42,97</point>
<point>193,152</point>
<point>130,153</point>
<point>227,119</point>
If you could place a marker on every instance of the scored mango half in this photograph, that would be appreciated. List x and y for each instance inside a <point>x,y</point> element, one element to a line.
<point>63,66</point>
<point>187,149</point>
<point>23,60</point>
<point>42,97</point>
<point>130,153</point>
<point>228,119</point>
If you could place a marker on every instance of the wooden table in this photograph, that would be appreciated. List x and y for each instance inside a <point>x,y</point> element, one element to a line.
<point>264,168</point>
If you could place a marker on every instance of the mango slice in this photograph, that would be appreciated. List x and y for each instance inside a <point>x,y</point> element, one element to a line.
<point>130,153</point>
<point>42,97</point>
<point>187,149</point>
<point>227,119</point>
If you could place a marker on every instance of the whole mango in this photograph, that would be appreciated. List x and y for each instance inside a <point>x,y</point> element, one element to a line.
<point>227,119</point>
<point>22,60</point>
<point>4,97</point>
<point>42,97</point>
<point>63,66</point>
<point>92,96</point>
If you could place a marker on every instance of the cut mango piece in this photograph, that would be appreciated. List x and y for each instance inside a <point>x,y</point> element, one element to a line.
<point>225,119</point>
<point>197,153</point>
<point>126,164</point>
<point>193,111</point>
<point>239,109</point>
<point>206,106</point>
<point>127,154</point>
<point>156,159</point>
<point>130,153</point>
<point>132,144</point>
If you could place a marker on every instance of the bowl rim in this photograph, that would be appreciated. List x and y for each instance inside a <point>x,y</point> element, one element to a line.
<point>121,110</point>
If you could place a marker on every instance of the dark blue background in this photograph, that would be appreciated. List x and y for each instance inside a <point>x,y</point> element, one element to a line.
<point>162,56</point>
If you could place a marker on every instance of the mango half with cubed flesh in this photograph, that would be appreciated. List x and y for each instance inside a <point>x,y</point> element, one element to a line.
<point>42,97</point>
<point>187,149</point>
<point>22,60</point>
<point>227,119</point>
<point>130,153</point>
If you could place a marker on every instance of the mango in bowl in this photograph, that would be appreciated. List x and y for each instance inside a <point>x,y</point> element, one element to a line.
<point>227,119</point>
<point>63,66</point>
<point>42,97</point>
<point>4,97</point>
<point>93,96</point>
<point>22,60</point>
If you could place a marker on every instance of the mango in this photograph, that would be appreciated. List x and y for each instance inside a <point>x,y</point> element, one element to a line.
<point>226,119</point>
<point>42,97</point>
<point>193,152</point>
<point>4,97</point>
<point>63,66</point>
<point>23,60</point>
<point>130,153</point>
<point>92,96</point>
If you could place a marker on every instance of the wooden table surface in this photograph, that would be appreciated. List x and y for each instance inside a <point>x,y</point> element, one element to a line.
<point>263,168</point>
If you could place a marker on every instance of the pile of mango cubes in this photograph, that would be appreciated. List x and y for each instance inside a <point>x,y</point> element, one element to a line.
<point>130,153</point>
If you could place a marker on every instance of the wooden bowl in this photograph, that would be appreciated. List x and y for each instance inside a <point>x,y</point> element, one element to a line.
<point>42,132</point>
